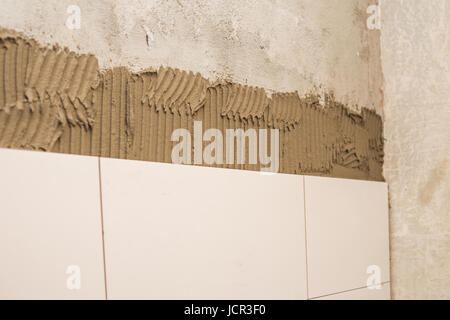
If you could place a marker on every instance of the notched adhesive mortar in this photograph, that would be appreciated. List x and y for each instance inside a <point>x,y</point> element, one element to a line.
<point>52,99</point>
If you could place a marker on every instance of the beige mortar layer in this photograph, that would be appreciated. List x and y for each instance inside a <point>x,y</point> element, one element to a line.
<point>53,99</point>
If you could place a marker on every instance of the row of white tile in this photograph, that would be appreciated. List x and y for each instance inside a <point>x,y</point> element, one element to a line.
<point>184,232</point>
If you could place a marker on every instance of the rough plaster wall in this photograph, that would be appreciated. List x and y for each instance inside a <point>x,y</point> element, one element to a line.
<point>416,65</point>
<point>284,45</point>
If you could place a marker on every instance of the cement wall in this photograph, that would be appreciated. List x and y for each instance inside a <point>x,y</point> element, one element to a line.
<point>304,45</point>
<point>415,37</point>
<point>278,45</point>
<point>322,53</point>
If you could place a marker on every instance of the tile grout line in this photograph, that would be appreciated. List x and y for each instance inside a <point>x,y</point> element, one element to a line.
<point>389,236</point>
<point>306,239</point>
<point>349,290</point>
<point>103,230</point>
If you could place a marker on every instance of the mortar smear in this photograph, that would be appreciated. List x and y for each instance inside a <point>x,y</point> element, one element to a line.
<point>52,99</point>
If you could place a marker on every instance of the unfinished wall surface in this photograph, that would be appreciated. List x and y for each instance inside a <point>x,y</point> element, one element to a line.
<point>277,45</point>
<point>309,69</point>
<point>280,46</point>
<point>416,65</point>
<point>55,100</point>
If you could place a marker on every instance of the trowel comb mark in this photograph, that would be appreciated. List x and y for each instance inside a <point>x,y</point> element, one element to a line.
<point>52,99</point>
<point>44,89</point>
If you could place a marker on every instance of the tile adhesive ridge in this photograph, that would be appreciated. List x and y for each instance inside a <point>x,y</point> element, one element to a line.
<point>52,99</point>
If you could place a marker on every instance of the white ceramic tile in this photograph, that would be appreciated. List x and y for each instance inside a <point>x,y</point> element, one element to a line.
<point>49,220</point>
<point>347,233</point>
<point>186,232</point>
<point>383,293</point>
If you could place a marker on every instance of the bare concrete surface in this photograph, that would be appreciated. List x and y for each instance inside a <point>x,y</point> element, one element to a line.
<point>309,46</point>
<point>278,45</point>
<point>416,64</point>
